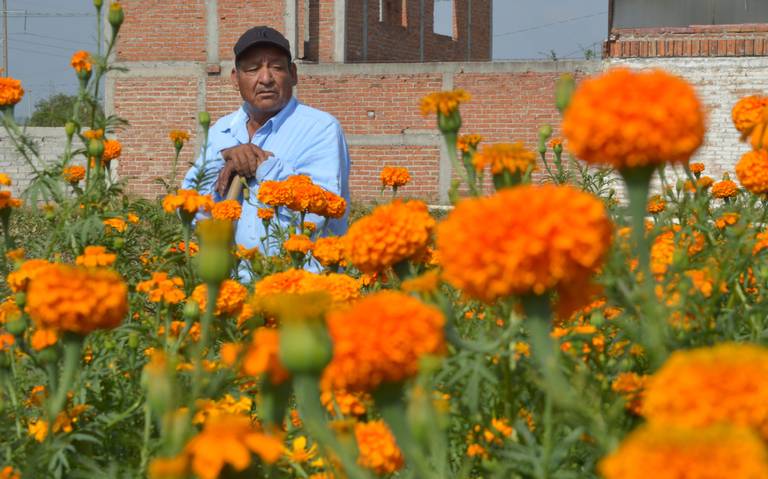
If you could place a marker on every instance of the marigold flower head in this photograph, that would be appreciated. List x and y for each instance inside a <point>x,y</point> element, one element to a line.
<point>675,453</point>
<point>696,168</point>
<point>263,356</point>
<point>465,143</point>
<point>335,205</point>
<point>15,255</point>
<point>555,143</point>
<point>752,171</point>
<point>77,300</point>
<point>348,404</point>
<point>631,119</point>
<point>512,157</point>
<point>194,248</point>
<point>390,234</point>
<point>9,472</point>
<point>663,248</point>
<point>394,176</point>
<point>74,174</point>
<point>11,91</point>
<point>380,338</point>
<point>656,204</point>
<point>178,137</point>
<point>5,180</point>
<point>727,219</point>
<point>340,287</point>
<point>163,289</point>
<point>91,134</point>
<point>112,150</point>
<point>307,198</point>
<point>707,386</point>
<point>81,61</point>
<point>208,408</point>
<point>275,193</point>
<point>169,467</point>
<point>229,302</point>
<point>19,280</point>
<point>747,112</point>
<point>189,201</point>
<point>427,282</point>
<point>630,386</point>
<point>230,439</point>
<point>724,189</point>
<point>9,310</point>
<point>265,214</point>
<point>43,338</point>
<point>95,256</point>
<point>8,201</point>
<point>444,102</point>
<point>329,251</point>
<point>298,244</point>
<point>378,449</point>
<point>560,236</point>
<point>115,224</point>
<point>227,210</point>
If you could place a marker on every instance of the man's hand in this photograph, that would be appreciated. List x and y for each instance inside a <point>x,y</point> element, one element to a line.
<point>245,158</point>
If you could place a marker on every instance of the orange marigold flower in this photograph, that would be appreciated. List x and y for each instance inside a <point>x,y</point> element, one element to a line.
<point>725,189</point>
<point>443,103</point>
<point>9,472</point>
<point>656,204</point>
<point>752,171</point>
<point>298,244</point>
<point>377,447</point>
<point>512,157</point>
<point>188,201</point>
<point>91,134</point>
<point>663,248</point>
<point>15,255</point>
<point>630,119</point>
<point>263,356</point>
<point>81,61</point>
<point>559,237</point>
<point>177,327</point>
<point>43,338</point>
<point>727,219</point>
<point>307,198</point>
<point>169,467</point>
<point>556,143</point>
<point>696,168</point>
<point>630,386</point>
<point>761,243</point>
<point>229,302</point>
<point>340,287</point>
<point>394,176</point>
<point>5,180</point>
<point>227,210</point>
<point>8,201</point>
<point>275,193</point>
<point>182,247</point>
<point>380,339</point>
<point>19,280</point>
<point>6,341</point>
<point>9,311</point>
<point>115,224</point>
<point>112,150</point>
<point>705,182</point>
<point>95,256</point>
<point>706,386</point>
<point>178,137</point>
<point>11,91</point>
<point>329,251</point>
<point>424,283</point>
<point>674,453</point>
<point>230,439</point>
<point>465,143</point>
<point>339,400</point>
<point>335,205</point>
<point>265,214</point>
<point>390,234</point>
<point>74,174</point>
<point>78,300</point>
<point>162,289</point>
<point>747,112</point>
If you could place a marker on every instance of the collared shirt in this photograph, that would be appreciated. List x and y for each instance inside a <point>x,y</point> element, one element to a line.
<point>303,140</point>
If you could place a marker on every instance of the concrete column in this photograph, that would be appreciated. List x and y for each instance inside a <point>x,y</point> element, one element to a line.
<point>212,31</point>
<point>291,26</point>
<point>340,31</point>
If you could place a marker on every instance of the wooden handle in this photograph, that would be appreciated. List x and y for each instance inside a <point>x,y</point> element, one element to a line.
<point>235,188</point>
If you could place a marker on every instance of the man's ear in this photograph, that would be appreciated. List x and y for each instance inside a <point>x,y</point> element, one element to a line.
<point>294,75</point>
<point>233,78</point>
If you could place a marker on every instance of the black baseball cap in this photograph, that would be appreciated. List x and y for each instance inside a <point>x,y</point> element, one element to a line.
<point>262,35</point>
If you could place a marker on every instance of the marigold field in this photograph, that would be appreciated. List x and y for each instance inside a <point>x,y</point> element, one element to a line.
<point>594,306</point>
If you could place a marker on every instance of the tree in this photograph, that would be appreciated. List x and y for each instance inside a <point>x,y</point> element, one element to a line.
<point>57,109</point>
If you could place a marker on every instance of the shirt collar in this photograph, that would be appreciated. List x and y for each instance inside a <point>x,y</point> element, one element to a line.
<point>238,127</point>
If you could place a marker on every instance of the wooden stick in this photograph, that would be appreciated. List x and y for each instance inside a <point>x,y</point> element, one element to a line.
<point>235,188</point>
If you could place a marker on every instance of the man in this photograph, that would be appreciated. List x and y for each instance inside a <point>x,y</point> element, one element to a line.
<point>271,137</point>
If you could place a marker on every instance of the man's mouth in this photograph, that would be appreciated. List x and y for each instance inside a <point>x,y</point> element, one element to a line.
<point>266,93</point>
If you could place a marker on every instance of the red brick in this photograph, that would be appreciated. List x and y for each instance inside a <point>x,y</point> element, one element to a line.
<point>159,30</point>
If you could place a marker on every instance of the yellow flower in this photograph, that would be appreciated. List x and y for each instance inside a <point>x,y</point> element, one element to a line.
<point>299,452</point>
<point>5,180</point>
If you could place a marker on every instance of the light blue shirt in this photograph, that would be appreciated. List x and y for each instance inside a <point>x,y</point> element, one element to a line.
<point>304,141</point>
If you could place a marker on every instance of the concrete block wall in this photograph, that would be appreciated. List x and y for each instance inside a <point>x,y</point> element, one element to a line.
<point>50,142</point>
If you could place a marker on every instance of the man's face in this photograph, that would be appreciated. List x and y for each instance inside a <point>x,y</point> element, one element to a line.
<point>265,78</point>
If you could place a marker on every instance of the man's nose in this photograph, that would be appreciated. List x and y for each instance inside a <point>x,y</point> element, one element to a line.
<point>265,76</point>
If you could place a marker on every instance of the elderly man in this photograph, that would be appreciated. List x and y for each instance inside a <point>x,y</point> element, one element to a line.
<point>271,137</point>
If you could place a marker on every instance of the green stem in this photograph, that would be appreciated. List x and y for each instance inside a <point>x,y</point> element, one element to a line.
<point>450,143</point>
<point>187,235</point>
<point>145,438</point>
<point>72,347</point>
<point>205,325</point>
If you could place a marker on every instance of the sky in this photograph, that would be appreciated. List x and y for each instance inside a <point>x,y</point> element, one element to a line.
<point>41,42</point>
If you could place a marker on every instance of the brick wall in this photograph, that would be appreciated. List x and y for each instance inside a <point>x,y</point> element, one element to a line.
<point>51,143</point>
<point>693,41</point>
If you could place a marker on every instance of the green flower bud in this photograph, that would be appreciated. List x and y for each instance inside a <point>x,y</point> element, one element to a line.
<point>116,15</point>
<point>204,118</point>
<point>133,341</point>
<point>545,131</point>
<point>304,348</point>
<point>70,127</point>
<point>98,3</point>
<point>95,148</point>
<point>21,299</point>
<point>191,310</point>
<point>17,326</point>
<point>49,355</point>
<point>118,243</point>
<point>564,91</point>
<point>214,264</point>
